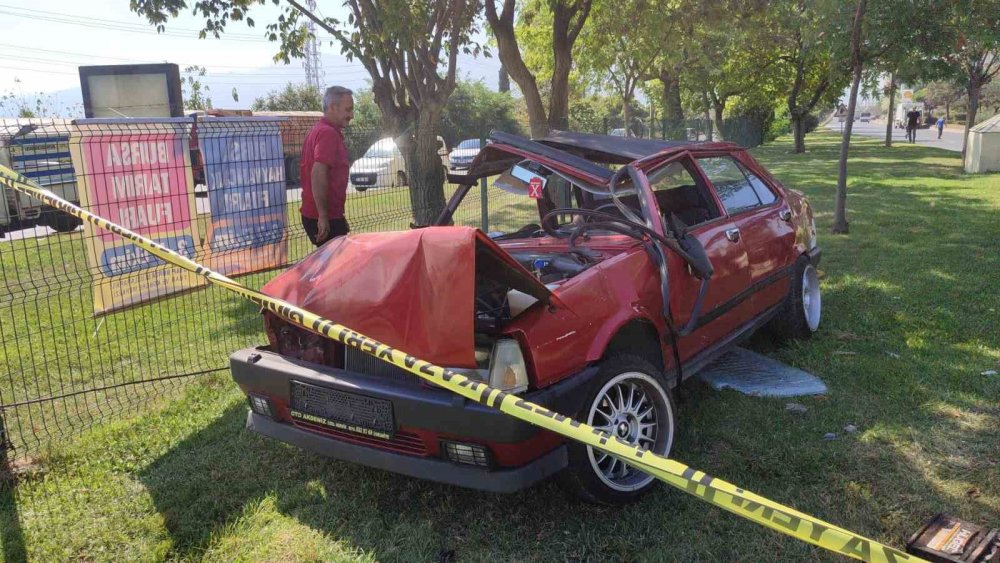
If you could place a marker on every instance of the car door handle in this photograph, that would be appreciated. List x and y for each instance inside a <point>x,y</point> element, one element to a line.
<point>733,234</point>
<point>785,214</point>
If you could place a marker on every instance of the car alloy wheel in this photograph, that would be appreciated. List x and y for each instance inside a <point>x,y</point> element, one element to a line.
<point>811,300</point>
<point>634,407</point>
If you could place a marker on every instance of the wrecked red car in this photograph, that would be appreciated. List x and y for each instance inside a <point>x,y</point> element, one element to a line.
<point>648,260</point>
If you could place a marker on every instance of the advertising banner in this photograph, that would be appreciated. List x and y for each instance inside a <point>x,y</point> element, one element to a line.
<point>245,175</point>
<point>137,173</point>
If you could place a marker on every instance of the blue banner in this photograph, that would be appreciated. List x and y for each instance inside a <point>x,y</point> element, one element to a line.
<point>245,176</point>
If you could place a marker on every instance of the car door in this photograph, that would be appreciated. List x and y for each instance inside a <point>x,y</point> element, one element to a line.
<point>769,238</point>
<point>756,211</point>
<point>679,189</point>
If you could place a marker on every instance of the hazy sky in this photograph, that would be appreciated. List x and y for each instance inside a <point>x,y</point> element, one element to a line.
<point>43,42</point>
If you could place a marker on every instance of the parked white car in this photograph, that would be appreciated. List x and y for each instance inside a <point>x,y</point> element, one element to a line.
<point>463,154</point>
<point>383,165</point>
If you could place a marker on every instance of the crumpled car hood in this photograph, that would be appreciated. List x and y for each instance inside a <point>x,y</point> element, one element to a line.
<point>413,290</point>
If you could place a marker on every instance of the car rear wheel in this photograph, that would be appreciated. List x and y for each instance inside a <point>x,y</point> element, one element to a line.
<point>630,402</point>
<point>400,178</point>
<point>800,314</point>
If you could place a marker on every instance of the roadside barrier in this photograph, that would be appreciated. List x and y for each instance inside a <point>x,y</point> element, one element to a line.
<point>715,491</point>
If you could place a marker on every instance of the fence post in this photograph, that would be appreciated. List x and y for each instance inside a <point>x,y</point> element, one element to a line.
<point>484,196</point>
<point>6,473</point>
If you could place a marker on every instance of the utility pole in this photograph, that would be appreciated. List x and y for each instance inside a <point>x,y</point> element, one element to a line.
<point>311,62</point>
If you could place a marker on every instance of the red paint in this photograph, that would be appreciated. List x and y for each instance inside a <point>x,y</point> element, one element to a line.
<point>414,290</point>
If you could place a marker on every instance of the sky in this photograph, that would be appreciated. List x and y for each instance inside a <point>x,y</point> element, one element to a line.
<point>43,42</point>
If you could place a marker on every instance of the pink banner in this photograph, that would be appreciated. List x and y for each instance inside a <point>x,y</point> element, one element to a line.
<point>139,181</point>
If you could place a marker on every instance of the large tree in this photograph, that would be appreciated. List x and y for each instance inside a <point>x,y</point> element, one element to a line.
<point>409,48</point>
<point>972,29</point>
<point>568,18</point>
<point>617,51</point>
<point>810,51</point>
<point>879,33</point>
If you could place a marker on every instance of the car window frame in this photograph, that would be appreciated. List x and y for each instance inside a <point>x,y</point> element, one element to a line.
<point>747,173</point>
<point>700,179</point>
<point>740,165</point>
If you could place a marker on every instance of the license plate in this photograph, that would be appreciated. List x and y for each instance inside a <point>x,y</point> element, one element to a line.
<point>363,415</point>
<point>364,179</point>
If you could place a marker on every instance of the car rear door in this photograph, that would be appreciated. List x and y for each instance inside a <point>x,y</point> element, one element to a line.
<point>758,212</point>
<point>680,189</point>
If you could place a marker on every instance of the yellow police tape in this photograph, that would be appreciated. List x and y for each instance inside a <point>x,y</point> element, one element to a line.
<point>715,491</point>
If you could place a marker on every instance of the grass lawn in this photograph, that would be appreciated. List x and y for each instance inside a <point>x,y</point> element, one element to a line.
<point>911,301</point>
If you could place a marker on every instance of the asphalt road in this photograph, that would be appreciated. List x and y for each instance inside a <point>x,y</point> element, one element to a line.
<point>950,140</point>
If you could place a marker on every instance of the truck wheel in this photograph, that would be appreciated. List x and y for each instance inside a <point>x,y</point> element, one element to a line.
<point>800,314</point>
<point>631,403</point>
<point>62,222</point>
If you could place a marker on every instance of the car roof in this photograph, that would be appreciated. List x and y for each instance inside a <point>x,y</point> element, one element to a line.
<point>609,148</point>
<point>582,154</point>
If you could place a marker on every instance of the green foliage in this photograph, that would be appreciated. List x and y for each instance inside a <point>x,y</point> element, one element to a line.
<point>34,104</point>
<point>474,110</point>
<point>748,121</point>
<point>293,97</point>
<point>195,92</point>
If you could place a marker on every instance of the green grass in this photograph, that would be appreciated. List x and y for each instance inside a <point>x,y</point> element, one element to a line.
<point>911,300</point>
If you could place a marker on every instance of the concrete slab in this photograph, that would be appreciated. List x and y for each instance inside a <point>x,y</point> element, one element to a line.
<point>759,376</point>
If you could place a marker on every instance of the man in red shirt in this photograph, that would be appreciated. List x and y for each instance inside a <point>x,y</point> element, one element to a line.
<point>324,169</point>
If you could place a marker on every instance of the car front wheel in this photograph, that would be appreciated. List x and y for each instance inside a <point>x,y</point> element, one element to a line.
<point>631,403</point>
<point>800,314</point>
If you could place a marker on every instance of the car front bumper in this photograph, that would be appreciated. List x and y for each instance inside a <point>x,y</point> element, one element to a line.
<point>423,416</point>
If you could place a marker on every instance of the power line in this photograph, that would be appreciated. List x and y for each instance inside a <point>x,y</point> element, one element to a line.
<point>22,48</point>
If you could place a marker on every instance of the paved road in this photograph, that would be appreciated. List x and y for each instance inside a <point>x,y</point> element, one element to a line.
<point>950,140</point>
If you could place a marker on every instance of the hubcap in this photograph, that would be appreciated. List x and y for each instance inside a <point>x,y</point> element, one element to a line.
<point>811,301</point>
<point>634,408</point>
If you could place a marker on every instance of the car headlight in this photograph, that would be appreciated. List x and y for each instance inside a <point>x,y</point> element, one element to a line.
<point>506,369</point>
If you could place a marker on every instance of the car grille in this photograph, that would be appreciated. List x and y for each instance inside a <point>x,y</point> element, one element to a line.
<point>402,442</point>
<point>357,361</point>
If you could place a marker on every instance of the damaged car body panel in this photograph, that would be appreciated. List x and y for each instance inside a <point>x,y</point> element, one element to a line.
<point>649,259</point>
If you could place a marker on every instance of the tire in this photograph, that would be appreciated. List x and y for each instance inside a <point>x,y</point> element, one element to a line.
<point>62,222</point>
<point>601,479</point>
<point>400,178</point>
<point>800,314</point>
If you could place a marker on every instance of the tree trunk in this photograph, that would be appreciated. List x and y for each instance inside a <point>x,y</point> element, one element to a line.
<point>947,111</point>
<point>424,169</point>
<point>502,26</point>
<point>706,107</point>
<point>799,132</point>
<point>970,119</point>
<point>840,224</point>
<point>719,107</point>
<point>892,109</point>
<point>559,96</point>
<point>673,113</point>
<point>627,115</point>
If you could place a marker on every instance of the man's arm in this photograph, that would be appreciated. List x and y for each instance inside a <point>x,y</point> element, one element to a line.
<point>319,185</point>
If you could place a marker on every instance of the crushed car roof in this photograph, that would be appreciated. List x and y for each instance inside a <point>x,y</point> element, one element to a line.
<point>618,150</point>
<point>580,152</point>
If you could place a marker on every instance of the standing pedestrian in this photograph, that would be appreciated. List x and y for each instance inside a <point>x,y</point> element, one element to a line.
<point>912,122</point>
<point>940,126</point>
<point>324,169</point>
